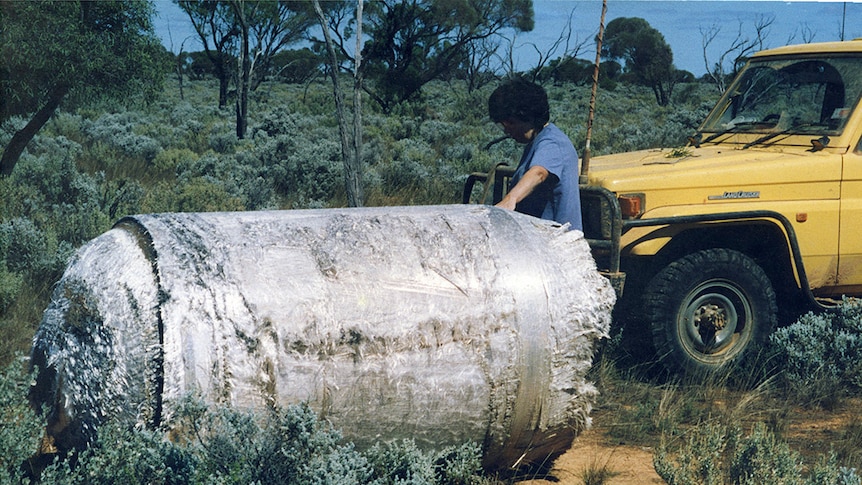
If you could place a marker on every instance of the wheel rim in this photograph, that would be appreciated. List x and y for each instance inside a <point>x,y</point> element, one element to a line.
<point>714,321</point>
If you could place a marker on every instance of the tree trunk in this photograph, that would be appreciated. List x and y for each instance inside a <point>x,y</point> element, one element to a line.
<point>243,72</point>
<point>223,88</point>
<point>180,71</point>
<point>352,172</point>
<point>23,136</point>
<point>353,169</point>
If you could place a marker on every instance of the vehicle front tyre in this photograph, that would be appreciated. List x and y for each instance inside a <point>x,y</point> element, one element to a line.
<point>709,309</point>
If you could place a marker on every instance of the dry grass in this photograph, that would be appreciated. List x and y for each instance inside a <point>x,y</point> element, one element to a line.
<point>599,471</point>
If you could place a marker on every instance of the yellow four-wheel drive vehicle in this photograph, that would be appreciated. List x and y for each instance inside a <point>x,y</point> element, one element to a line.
<point>709,244</point>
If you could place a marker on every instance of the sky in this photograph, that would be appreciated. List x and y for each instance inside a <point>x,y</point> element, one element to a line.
<point>682,23</point>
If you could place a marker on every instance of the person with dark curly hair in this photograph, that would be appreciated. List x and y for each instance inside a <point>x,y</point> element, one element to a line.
<point>545,183</point>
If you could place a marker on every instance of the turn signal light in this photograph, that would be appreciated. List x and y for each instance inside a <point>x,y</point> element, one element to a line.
<point>631,205</point>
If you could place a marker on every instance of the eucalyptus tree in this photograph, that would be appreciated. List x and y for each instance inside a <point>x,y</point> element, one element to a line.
<point>241,38</point>
<point>265,27</point>
<point>647,57</point>
<point>412,42</point>
<point>214,24</point>
<point>73,52</point>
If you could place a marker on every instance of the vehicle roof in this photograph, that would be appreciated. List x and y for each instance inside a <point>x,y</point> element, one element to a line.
<point>849,46</point>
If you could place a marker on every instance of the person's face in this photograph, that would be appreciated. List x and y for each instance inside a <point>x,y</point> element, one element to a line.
<point>518,130</point>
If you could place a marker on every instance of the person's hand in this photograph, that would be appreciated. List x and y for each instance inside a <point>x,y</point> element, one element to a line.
<point>532,179</point>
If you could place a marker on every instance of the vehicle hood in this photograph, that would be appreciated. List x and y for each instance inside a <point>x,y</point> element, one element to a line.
<point>710,166</point>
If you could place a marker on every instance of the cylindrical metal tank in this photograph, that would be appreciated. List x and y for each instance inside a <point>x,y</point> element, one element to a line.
<point>443,324</point>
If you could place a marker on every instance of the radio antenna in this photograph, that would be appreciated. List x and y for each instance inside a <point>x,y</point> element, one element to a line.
<point>585,163</point>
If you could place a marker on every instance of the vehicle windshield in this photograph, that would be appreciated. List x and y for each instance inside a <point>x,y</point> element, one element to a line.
<point>790,96</point>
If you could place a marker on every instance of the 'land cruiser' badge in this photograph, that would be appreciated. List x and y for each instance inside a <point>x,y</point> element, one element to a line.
<point>739,194</point>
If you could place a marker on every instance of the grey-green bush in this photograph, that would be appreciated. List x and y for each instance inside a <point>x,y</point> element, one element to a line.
<point>287,446</point>
<point>118,130</point>
<point>716,454</point>
<point>821,353</point>
<point>21,429</point>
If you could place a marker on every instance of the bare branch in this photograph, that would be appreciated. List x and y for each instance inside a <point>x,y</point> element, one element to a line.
<point>570,48</point>
<point>736,53</point>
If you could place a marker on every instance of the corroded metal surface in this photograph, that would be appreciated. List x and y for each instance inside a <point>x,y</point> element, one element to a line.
<point>443,324</point>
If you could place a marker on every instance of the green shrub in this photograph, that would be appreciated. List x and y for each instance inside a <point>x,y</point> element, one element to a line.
<point>288,445</point>
<point>702,460</point>
<point>31,251</point>
<point>820,353</point>
<point>199,194</point>
<point>21,429</point>
<point>61,200</point>
<point>49,168</point>
<point>225,446</point>
<point>64,124</point>
<point>760,458</point>
<point>439,133</point>
<point>403,463</point>
<point>285,446</point>
<point>10,286</point>
<point>827,471</point>
<point>222,140</point>
<point>715,454</point>
<point>118,130</point>
<point>168,160</point>
<point>410,166</point>
<point>22,244</point>
<point>283,121</point>
<point>306,171</point>
<point>127,456</point>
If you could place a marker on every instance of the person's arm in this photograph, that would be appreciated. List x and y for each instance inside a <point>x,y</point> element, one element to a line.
<point>532,179</point>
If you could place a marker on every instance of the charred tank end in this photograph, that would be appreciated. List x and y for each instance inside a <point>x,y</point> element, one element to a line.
<point>98,348</point>
<point>444,324</point>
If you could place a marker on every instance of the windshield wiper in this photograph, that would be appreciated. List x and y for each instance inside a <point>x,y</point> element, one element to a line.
<point>788,131</point>
<point>766,138</point>
<point>696,141</point>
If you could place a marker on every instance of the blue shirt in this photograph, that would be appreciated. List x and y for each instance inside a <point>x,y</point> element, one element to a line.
<point>557,198</point>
